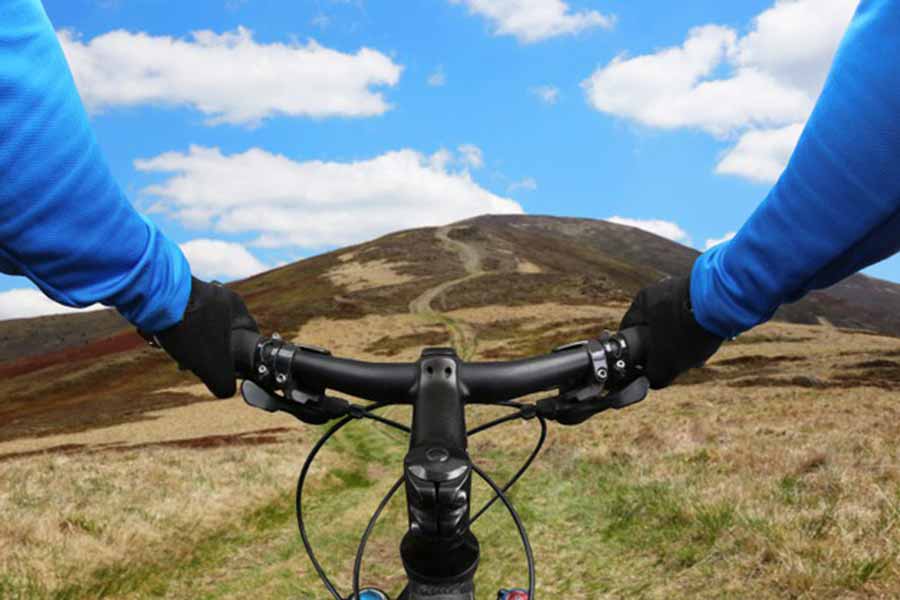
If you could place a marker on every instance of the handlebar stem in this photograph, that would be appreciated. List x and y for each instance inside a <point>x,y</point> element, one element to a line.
<point>438,547</point>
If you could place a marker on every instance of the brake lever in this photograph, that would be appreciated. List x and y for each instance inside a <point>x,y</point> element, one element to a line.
<point>256,396</point>
<point>633,393</point>
<point>566,411</point>
<point>315,411</point>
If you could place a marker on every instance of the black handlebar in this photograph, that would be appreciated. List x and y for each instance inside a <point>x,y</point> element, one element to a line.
<point>243,347</point>
<point>315,370</point>
<point>636,339</point>
<point>373,381</point>
<point>492,382</point>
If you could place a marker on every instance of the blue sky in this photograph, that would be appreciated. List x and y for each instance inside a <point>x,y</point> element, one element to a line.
<point>456,107</point>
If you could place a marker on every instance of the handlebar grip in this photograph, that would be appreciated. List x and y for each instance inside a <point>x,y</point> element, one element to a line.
<point>243,347</point>
<point>636,340</point>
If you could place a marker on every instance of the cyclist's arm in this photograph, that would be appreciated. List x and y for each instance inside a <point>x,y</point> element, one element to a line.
<point>64,222</point>
<point>836,207</point>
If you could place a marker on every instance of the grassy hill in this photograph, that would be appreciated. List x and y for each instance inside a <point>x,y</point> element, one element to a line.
<point>772,472</point>
<point>533,257</point>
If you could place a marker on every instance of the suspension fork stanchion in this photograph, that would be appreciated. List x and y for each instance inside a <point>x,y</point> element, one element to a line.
<point>440,554</point>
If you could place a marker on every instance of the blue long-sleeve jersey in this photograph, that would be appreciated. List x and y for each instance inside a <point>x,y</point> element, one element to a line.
<point>836,207</point>
<point>64,222</point>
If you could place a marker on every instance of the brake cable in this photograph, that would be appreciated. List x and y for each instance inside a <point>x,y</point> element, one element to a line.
<point>356,413</point>
<point>529,555</point>
<point>525,411</point>
<point>301,480</point>
<point>361,549</point>
<point>525,466</point>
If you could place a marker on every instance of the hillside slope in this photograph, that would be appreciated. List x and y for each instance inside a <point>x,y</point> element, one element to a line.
<point>486,261</point>
<point>535,257</point>
<point>25,338</point>
<point>596,251</point>
<point>770,473</point>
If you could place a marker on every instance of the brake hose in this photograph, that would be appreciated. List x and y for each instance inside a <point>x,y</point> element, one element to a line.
<point>499,493</point>
<point>301,481</point>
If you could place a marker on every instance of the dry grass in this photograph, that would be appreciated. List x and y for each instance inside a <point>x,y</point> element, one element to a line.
<point>525,266</point>
<point>66,516</point>
<point>702,491</point>
<point>771,473</point>
<point>359,338</point>
<point>356,276</point>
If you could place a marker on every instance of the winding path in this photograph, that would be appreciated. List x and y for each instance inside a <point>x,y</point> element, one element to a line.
<point>461,333</point>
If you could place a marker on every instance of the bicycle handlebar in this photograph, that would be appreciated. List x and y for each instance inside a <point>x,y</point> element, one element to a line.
<point>483,382</point>
<point>636,339</point>
<point>243,346</point>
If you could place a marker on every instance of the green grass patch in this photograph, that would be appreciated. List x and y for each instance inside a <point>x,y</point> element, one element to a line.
<point>175,561</point>
<point>860,572</point>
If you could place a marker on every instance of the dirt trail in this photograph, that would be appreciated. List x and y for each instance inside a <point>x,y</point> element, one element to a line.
<point>462,334</point>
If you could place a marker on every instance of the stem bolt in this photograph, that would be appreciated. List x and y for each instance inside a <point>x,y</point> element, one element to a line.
<point>262,370</point>
<point>437,454</point>
<point>601,373</point>
<point>280,378</point>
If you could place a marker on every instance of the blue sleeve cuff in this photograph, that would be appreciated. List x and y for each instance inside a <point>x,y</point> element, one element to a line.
<point>718,302</point>
<point>155,293</point>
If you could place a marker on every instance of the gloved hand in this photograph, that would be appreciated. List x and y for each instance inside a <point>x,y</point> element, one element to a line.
<point>676,341</point>
<point>201,341</point>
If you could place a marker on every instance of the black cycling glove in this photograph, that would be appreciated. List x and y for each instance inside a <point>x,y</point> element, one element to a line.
<point>201,341</point>
<point>676,342</point>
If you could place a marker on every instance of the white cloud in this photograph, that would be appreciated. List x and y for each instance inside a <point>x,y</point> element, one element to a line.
<point>716,241</point>
<point>670,89</point>
<point>666,229</point>
<point>761,155</point>
<point>467,156</point>
<point>535,20</point>
<point>761,86</point>
<point>217,259</point>
<point>438,78</point>
<point>25,302</point>
<point>229,77</point>
<point>795,40</point>
<point>441,159</point>
<point>527,184</point>
<point>547,94</point>
<point>315,203</point>
<point>471,156</point>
